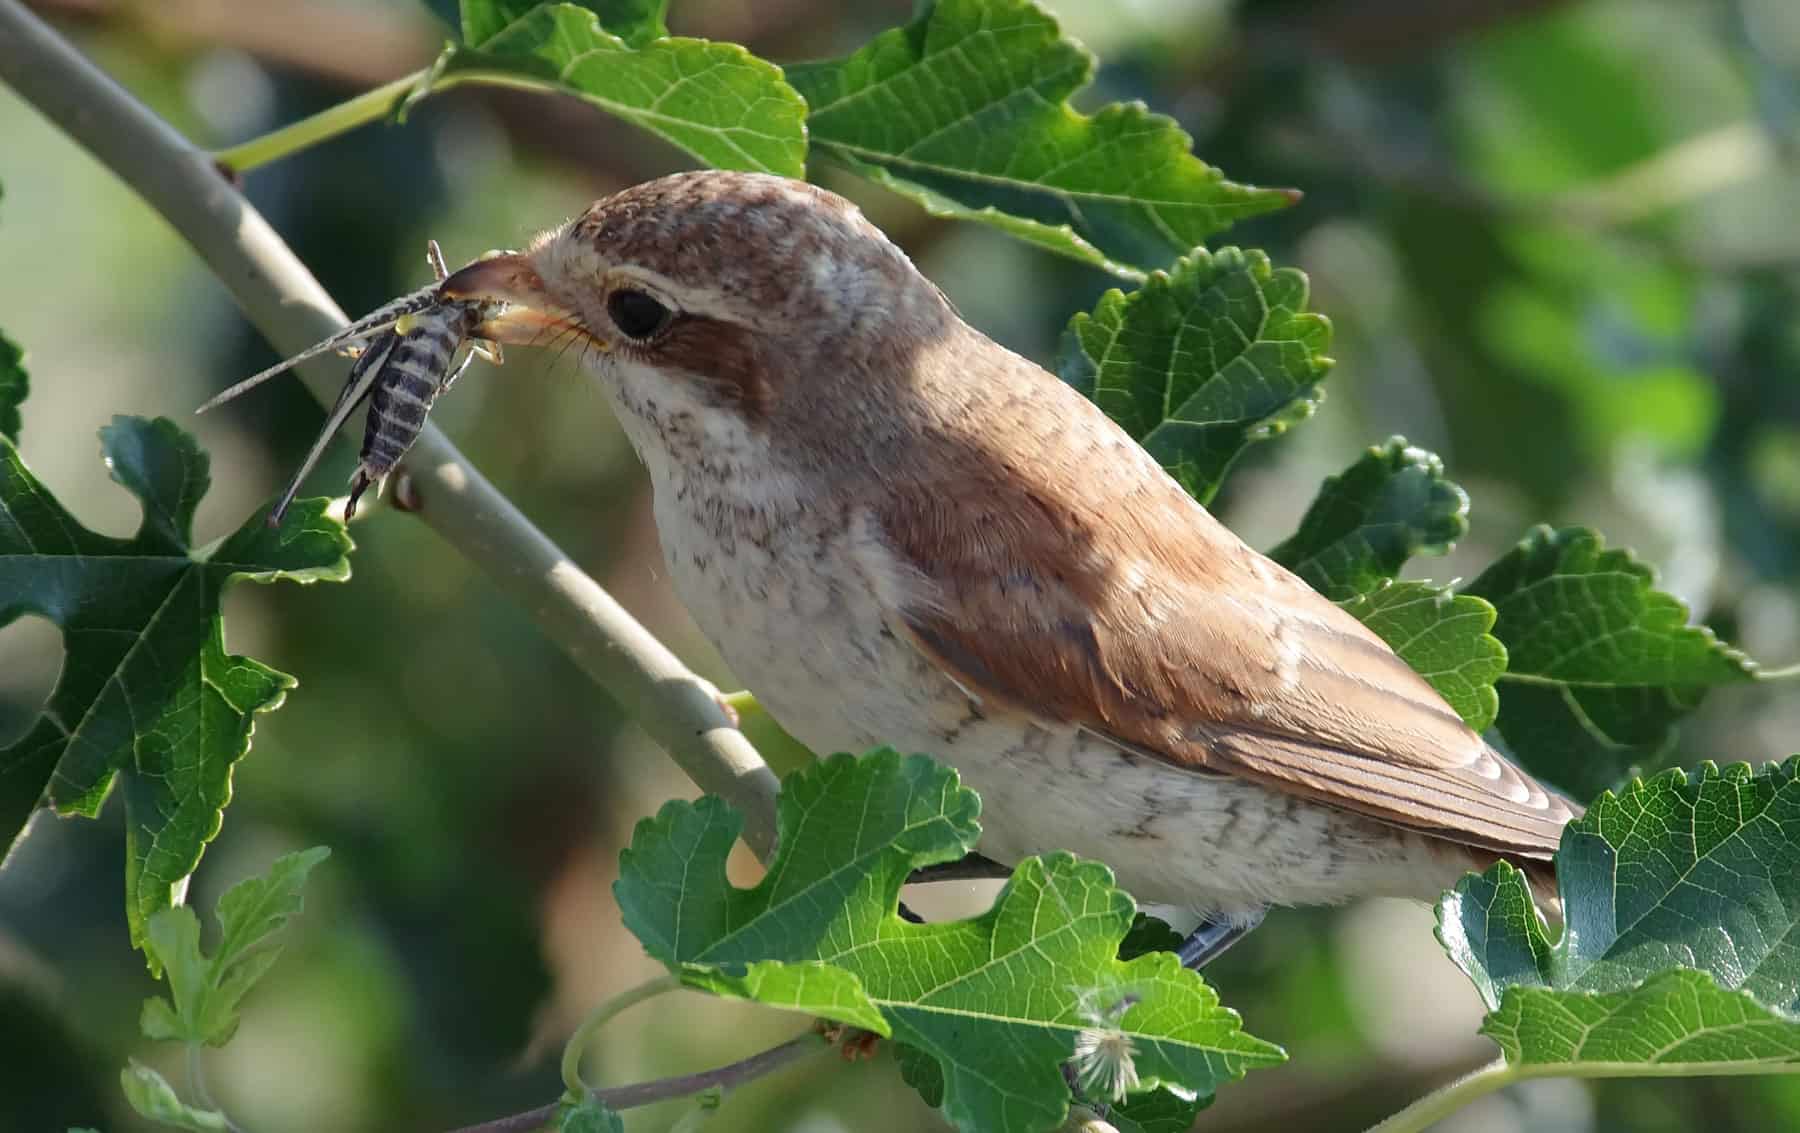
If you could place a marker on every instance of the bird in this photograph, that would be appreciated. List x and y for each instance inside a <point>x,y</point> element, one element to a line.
<point>899,533</point>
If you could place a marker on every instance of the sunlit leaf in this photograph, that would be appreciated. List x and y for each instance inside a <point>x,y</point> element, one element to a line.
<point>205,991</point>
<point>715,100</point>
<point>153,1098</point>
<point>634,21</point>
<point>1392,504</point>
<point>1681,945</point>
<point>1600,663</point>
<point>966,111</point>
<point>1202,360</point>
<point>148,696</point>
<point>995,1004</point>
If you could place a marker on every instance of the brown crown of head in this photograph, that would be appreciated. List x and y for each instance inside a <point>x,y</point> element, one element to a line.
<point>767,283</point>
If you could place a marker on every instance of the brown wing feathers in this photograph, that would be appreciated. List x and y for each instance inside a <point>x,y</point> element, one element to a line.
<point>1122,607</point>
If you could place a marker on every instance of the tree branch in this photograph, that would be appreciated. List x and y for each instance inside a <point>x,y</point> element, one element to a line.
<point>678,709</point>
<point>645,1093</point>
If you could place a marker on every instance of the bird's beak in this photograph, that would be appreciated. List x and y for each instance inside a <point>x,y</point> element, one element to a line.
<point>530,316</point>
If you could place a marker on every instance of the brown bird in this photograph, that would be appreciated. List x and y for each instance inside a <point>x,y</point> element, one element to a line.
<point>898,532</point>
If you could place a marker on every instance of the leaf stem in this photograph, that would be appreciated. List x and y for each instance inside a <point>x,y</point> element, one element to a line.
<point>1445,1100</point>
<point>196,1072</point>
<point>1442,1102</point>
<point>179,180</point>
<point>603,1014</point>
<point>726,1077</point>
<point>367,107</point>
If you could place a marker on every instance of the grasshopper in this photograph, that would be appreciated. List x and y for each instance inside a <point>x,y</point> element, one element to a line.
<point>406,355</point>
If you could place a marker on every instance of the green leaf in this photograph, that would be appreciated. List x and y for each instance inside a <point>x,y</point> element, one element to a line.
<point>996,1002</point>
<point>590,1115</point>
<point>148,695</point>
<point>715,100</point>
<point>807,986</point>
<point>1198,363</point>
<point>1681,945</point>
<point>1692,869</point>
<point>1367,521</point>
<point>1445,638</point>
<point>172,940</point>
<point>1148,934</point>
<point>1600,664</point>
<point>1675,1018</point>
<point>782,752</point>
<point>13,388</point>
<point>1390,505</point>
<point>1160,1111</point>
<point>966,111</point>
<point>634,21</point>
<point>152,1096</point>
<point>206,991</point>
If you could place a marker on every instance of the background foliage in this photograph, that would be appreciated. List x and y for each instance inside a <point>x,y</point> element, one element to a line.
<point>1550,239</point>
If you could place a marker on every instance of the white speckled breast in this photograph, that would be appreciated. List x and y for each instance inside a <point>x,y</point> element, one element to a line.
<point>792,611</point>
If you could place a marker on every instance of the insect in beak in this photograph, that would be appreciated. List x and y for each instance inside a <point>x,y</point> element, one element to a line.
<point>525,314</point>
<point>406,355</point>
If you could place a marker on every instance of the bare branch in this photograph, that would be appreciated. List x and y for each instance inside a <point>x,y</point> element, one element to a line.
<point>678,709</point>
<point>646,1093</point>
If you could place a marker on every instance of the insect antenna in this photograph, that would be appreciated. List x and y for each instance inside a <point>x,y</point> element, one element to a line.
<point>371,324</point>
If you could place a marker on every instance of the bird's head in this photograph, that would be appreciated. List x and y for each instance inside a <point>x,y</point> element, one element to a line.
<point>722,305</point>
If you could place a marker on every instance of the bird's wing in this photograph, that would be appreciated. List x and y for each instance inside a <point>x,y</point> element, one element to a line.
<point>1120,606</point>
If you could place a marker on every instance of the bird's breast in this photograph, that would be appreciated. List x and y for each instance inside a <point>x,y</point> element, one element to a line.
<point>789,602</point>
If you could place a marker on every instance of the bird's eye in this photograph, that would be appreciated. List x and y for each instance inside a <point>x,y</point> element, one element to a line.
<point>636,314</point>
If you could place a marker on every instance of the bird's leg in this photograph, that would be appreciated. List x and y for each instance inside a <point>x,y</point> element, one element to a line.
<point>1213,936</point>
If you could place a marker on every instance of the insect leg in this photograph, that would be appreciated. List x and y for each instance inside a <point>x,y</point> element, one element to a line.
<point>362,378</point>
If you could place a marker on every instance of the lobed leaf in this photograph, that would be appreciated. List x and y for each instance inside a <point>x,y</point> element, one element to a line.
<point>1601,664</point>
<point>1681,945</point>
<point>634,21</point>
<point>806,986</point>
<point>1201,361</point>
<point>1675,1019</point>
<point>1390,505</point>
<point>148,696</point>
<point>1367,521</point>
<point>205,991</point>
<point>987,1009</point>
<point>966,111</point>
<point>1445,638</point>
<point>717,101</point>
<point>153,1098</point>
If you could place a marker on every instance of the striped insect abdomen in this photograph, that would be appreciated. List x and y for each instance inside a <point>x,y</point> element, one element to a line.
<point>411,377</point>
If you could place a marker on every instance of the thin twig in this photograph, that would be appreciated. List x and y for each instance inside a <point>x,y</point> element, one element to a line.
<point>602,1015</point>
<point>678,709</point>
<point>647,1093</point>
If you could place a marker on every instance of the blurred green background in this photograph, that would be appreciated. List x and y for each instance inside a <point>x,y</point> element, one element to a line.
<point>1558,241</point>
